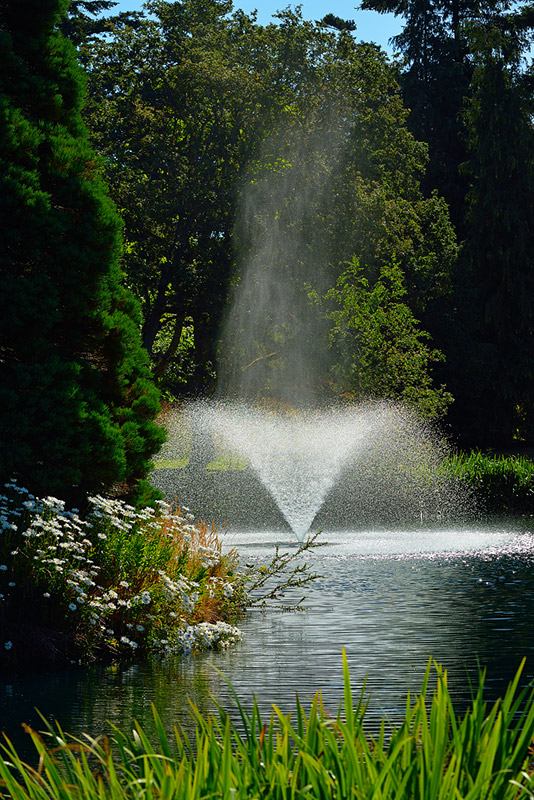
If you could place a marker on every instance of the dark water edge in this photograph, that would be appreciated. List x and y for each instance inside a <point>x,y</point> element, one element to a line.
<point>391,598</point>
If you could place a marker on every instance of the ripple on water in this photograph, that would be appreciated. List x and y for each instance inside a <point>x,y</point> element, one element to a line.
<point>387,597</point>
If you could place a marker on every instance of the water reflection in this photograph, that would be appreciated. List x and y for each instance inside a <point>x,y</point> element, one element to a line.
<point>391,603</point>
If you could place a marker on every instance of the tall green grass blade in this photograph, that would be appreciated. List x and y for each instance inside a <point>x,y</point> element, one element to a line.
<point>347,694</point>
<point>433,754</point>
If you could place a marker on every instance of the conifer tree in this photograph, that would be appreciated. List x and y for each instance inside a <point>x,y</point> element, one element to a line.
<point>77,404</point>
<point>494,387</point>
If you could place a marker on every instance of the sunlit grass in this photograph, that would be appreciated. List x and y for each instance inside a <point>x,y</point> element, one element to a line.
<point>222,463</point>
<point>504,483</point>
<point>432,754</point>
<point>171,463</point>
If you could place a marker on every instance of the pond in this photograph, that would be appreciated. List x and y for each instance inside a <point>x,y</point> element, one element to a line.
<point>391,598</point>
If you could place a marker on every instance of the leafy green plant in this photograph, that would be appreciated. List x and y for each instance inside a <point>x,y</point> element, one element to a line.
<point>111,582</point>
<point>391,357</point>
<point>503,483</point>
<point>433,754</point>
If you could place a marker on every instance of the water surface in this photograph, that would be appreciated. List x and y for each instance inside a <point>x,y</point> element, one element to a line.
<point>391,598</point>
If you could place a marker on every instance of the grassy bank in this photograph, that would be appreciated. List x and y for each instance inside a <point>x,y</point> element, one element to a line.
<point>433,754</point>
<point>109,581</point>
<point>504,484</point>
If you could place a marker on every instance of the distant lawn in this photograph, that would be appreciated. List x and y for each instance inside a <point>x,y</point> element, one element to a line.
<point>222,463</point>
<point>171,463</point>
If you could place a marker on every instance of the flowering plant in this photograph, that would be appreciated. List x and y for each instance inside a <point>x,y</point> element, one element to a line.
<point>113,580</point>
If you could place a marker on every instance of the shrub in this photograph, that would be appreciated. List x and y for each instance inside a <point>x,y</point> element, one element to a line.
<point>78,404</point>
<point>111,582</point>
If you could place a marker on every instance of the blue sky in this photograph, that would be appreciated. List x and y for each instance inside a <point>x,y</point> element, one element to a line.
<point>371,26</point>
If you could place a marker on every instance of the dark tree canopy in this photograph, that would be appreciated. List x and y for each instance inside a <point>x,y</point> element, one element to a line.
<point>469,91</point>
<point>494,386</point>
<point>333,21</point>
<point>197,106</point>
<point>78,405</point>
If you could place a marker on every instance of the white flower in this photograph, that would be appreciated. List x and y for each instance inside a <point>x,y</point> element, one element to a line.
<point>46,594</point>
<point>139,628</point>
<point>3,567</point>
<point>11,583</point>
<point>8,645</point>
<point>73,606</point>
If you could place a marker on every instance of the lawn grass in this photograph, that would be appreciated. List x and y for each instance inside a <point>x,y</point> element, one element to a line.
<point>171,463</point>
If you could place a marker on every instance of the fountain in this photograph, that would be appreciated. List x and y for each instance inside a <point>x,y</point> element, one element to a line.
<point>298,457</point>
<point>344,467</point>
<point>292,455</point>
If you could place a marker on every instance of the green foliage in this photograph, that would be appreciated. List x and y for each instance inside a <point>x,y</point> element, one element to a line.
<point>433,754</point>
<point>78,406</point>
<point>197,106</point>
<point>81,19</point>
<point>112,582</point>
<point>390,356</point>
<point>494,384</point>
<point>502,484</point>
<point>466,82</point>
<point>435,79</point>
<point>172,109</point>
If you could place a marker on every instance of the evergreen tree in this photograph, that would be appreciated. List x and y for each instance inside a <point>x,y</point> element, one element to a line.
<point>77,403</point>
<point>83,19</point>
<point>495,394</point>
<point>434,82</point>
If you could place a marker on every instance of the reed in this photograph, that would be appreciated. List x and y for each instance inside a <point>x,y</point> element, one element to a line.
<point>433,754</point>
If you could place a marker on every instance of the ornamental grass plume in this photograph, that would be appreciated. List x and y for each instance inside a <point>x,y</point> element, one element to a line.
<point>111,582</point>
